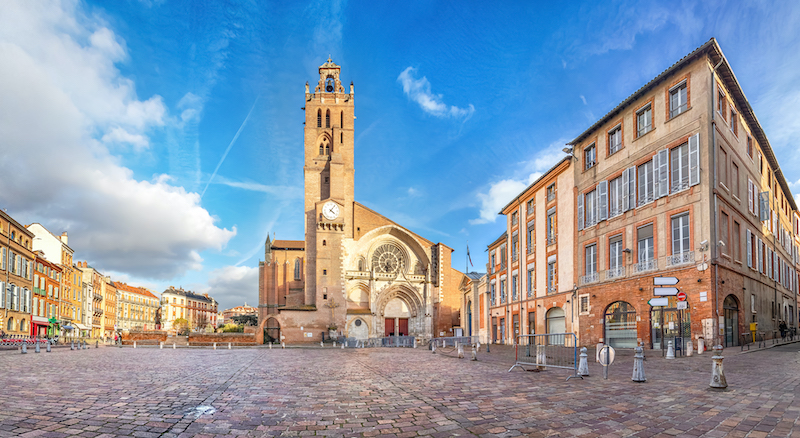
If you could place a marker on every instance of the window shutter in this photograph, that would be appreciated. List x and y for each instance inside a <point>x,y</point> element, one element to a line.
<point>2,295</point>
<point>602,201</point>
<point>580,211</point>
<point>749,251</point>
<point>3,259</point>
<point>631,187</point>
<point>760,247</point>
<point>624,190</point>
<point>694,160</point>
<point>750,190</point>
<point>662,176</point>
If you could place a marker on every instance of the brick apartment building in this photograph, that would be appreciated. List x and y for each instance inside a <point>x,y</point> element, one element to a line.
<point>679,180</point>
<point>16,276</point>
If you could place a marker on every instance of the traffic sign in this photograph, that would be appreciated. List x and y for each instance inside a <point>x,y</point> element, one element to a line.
<point>665,291</point>
<point>607,355</point>
<point>657,302</point>
<point>665,281</point>
<point>682,305</point>
<point>681,296</point>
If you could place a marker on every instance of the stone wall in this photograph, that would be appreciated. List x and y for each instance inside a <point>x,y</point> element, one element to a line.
<point>143,337</point>
<point>222,338</point>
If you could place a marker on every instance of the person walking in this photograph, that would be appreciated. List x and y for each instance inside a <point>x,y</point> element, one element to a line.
<point>783,328</point>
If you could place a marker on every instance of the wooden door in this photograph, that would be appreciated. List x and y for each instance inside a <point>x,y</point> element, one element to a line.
<point>389,327</point>
<point>403,331</point>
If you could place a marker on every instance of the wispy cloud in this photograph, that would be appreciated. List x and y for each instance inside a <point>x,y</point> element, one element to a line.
<point>419,91</point>
<point>500,193</point>
<point>283,192</point>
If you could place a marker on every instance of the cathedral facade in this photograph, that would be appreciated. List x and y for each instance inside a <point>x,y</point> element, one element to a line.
<point>357,273</point>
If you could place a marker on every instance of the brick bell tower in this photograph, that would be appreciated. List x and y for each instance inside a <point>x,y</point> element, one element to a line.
<point>328,171</point>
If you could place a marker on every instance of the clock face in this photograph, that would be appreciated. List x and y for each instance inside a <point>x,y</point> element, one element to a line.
<point>330,210</point>
<point>387,259</point>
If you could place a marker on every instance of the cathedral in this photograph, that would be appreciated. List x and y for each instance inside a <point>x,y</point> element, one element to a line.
<point>357,273</point>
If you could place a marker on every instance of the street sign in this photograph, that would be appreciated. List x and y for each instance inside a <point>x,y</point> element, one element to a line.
<point>607,355</point>
<point>665,291</point>
<point>681,296</point>
<point>682,305</point>
<point>656,302</point>
<point>665,281</point>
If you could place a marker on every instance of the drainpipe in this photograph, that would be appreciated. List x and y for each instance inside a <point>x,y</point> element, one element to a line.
<point>714,242</point>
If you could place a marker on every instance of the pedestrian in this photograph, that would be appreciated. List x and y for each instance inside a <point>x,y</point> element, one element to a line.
<point>783,328</point>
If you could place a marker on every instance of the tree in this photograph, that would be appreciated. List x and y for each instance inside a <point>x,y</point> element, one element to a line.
<point>202,321</point>
<point>249,320</point>
<point>181,326</point>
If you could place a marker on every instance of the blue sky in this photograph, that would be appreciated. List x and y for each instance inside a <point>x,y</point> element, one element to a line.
<point>166,136</point>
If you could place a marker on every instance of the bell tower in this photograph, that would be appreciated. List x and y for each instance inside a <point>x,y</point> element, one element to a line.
<point>329,175</point>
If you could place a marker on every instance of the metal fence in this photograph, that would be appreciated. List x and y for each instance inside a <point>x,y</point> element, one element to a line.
<point>554,350</point>
<point>388,341</point>
<point>450,345</point>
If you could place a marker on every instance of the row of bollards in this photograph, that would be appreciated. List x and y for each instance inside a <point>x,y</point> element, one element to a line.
<point>718,380</point>
<point>48,347</point>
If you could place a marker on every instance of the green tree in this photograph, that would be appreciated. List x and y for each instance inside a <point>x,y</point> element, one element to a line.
<point>181,326</point>
<point>249,320</point>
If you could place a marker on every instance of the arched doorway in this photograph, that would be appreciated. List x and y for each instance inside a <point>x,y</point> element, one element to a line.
<point>396,315</point>
<point>620,325</point>
<point>556,320</point>
<point>272,331</point>
<point>399,312</point>
<point>730,308</point>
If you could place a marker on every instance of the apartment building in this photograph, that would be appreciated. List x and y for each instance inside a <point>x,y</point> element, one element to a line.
<point>45,304</point>
<point>109,305</point>
<point>679,181</point>
<point>93,299</point>
<point>199,310</point>
<point>57,250</point>
<point>531,286</point>
<point>136,307</point>
<point>16,276</point>
<point>227,315</point>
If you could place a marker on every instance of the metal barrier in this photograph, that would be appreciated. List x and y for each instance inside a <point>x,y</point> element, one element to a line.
<point>388,341</point>
<point>554,350</point>
<point>450,345</point>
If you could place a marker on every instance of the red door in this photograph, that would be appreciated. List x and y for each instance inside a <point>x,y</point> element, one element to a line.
<point>389,323</point>
<point>403,327</point>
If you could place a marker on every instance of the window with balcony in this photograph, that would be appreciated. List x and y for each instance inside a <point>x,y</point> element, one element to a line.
<point>614,139</point>
<point>590,264</point>
<point>615,268</point>
<point>646,183</point>
<point>645,249</point>
<point>679,160</point>
<point>681,250</point>
<point>678,99</point>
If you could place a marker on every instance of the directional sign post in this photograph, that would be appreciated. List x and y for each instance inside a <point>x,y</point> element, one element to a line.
<point>658,302</point>
<point>665,281</point>
<point>665,291</point>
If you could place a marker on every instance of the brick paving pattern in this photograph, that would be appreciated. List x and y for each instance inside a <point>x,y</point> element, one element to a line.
<point>147,392</point>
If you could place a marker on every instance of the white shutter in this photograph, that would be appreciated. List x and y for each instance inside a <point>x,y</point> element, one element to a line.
<point>631,187</point>
<point>580,211</point>
<point>2,294</point>
<point>624,189</point>
<point>3,259</point>
<point>602,201</point>
<point>756,209</point>
<point>760,255</point>
<point>750,190</point>
<point>769,264</point>
<point>749,251</point>
<point>662,176</point>
<point>694,160</point>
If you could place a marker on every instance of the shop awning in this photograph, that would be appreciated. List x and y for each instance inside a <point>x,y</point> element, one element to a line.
<point>81,327</point>
<point>67,327</point>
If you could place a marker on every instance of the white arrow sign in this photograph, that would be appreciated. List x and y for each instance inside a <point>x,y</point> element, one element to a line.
<point>664,291</point>
<point>665,281</point>
<point>656,302</point>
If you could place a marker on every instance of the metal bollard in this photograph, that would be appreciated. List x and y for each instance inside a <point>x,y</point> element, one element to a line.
<point>689,348</point>
<point>24,348</point>
<point>638,365</point>
<point>270,345</point>
<point>229,345</point>
<point>583,365</point>
<point>320,344</point>
<point>85,345</point>
<point>460,350</point>
<point>342,345</point>
<point>433,347</point>
<point>173,345</point>
<point>283,344</point>
<point>670,350</point>
<point>215,345</point>
<point>334,344</point>
<point>161,345</point>
<point>96,344</point>
<point>701,345</point>
<point>72,346</point>
<point>48,346</point>
<point>717,374</point>
<point>120,344</point>
<point>415,342</point>
<point>38,350</point>
<point>474,352</point>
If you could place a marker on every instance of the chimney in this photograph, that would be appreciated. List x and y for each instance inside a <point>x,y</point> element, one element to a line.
<point>64,238</point>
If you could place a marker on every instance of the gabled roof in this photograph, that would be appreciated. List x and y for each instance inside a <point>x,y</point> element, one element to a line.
<point>537,182</point>
<point>497,241</point>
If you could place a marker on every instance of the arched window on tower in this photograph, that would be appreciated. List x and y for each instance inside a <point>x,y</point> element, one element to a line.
<point>328,118</point>
<point>297,269</point>
<point>321,149</point>
<point>327,149</point>
<point>319,118</point>
<point>341,119</point>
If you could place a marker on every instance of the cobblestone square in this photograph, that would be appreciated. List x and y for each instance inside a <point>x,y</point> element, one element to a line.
<point>148,392</point>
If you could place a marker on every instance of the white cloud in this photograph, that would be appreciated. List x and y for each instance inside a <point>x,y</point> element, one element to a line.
<point>62,100</point>
<point>500,193</point>
<point>419,91</point>
<point>233,286</point>
<point>583,99</point>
